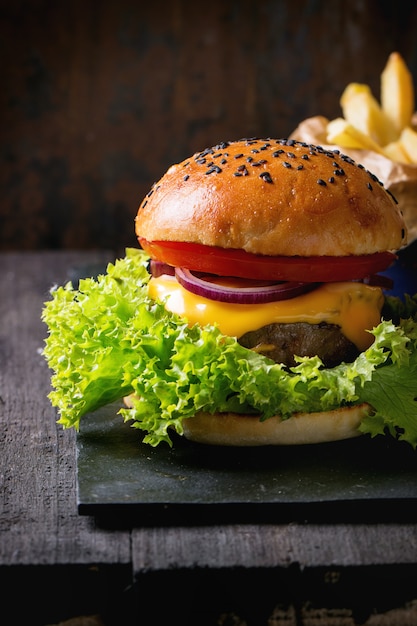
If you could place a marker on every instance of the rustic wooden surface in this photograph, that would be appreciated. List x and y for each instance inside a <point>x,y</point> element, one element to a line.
<point>99,98</point>
<point>46,545</point>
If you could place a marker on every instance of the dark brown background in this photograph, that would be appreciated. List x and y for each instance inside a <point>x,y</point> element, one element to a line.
<point>99,98</point>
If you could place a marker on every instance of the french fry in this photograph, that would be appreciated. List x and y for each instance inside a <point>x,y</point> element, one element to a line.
<point>361,109</point>
<point>408,141</point>
<point>397,92</point>
<point>396,152</point>
<point>342,133</point>
<point>388,127</point>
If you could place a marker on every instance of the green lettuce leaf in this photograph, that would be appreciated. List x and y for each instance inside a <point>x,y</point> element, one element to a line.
<point>107,339</point>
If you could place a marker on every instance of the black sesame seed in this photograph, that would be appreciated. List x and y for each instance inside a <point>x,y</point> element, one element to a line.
<point>392,196</point>
<point>331,179</point>
<point>223,161</point>
<point>266,177</point>
<point>249,159</point>
<point>322,182</point>
<point>291,155</point>
<point>339,172</point>
<point>286,164</point>
<point>214,168</point>
<point>300,167</point>
<point>369,186</point>
<point>305,157</point>
<point>277,153</point>
<point>186,177</point>
<point>144,204</point>
<point>239,156</point>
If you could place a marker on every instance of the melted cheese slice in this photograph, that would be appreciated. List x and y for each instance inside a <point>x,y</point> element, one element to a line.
<point>353,306</point>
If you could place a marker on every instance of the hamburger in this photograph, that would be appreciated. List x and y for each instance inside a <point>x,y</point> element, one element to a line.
<point>253,312</point>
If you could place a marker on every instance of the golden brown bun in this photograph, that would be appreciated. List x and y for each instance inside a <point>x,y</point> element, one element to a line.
<point>272,197</point>
<point>230,429</point>
<point>233,429</point>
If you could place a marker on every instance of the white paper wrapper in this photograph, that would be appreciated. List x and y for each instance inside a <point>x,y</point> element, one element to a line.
<point>400,179</point>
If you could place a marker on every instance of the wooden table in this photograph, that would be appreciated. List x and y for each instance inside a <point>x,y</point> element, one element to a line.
<point>67,564</point>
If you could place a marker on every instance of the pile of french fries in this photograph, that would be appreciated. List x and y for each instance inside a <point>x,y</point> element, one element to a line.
<point>385,127</point>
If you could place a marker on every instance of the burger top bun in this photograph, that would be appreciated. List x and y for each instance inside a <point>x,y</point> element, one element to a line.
<point>273,197</point>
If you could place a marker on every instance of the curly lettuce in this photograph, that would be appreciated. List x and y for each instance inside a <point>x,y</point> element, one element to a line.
<point>108,339</point>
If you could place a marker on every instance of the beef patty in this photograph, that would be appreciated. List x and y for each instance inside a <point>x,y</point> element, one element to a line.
<point>280,342</point>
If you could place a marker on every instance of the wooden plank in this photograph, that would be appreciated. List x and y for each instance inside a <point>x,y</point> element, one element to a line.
<point>39,523</point>
<point>249,546</point>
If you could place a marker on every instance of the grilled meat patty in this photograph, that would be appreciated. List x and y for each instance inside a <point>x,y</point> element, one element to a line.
<point>280,342</point>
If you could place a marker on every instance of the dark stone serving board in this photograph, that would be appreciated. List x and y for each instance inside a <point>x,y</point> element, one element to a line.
<point>123,481</point>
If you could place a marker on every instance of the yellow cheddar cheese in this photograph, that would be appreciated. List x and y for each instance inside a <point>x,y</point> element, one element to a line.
<point>353,306</point>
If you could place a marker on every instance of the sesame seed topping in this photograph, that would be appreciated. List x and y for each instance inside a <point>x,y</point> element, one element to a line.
<point>186,177</point>
<point>214,168</point>
<point>286,164</point>
<point>322,182</point>
<point>266,177</point>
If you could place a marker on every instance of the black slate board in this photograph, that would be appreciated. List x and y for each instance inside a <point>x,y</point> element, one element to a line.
<point>123,481</point>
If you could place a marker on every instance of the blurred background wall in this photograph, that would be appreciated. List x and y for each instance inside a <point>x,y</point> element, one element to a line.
<point>98,98</point>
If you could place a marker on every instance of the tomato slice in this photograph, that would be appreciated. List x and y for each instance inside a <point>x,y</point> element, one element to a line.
<point>232,262</point>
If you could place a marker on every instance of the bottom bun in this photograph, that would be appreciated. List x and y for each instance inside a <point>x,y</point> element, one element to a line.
<point>231,429</point>
<point>234,429</point>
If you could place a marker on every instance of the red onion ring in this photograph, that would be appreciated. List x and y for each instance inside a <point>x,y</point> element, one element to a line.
<point>254,294</point>
<point>157,268</point>
<point>378,280</point>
